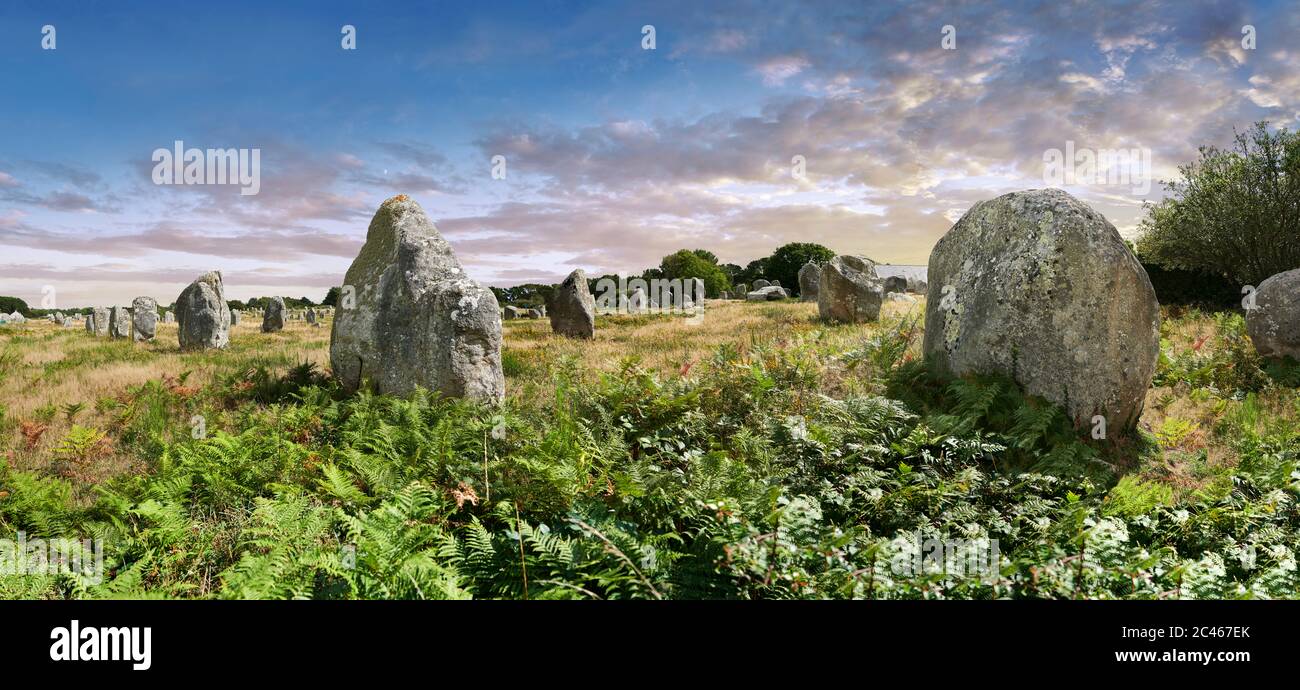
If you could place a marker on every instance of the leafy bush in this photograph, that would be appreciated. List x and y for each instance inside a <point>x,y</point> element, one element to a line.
<point>1233,213</point>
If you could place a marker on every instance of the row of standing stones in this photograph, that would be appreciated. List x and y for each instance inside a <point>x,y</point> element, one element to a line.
<point>1034,285</point>
<point>139,322</point>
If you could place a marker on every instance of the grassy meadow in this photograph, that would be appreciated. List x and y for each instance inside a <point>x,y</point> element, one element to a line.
<point>756,454</point>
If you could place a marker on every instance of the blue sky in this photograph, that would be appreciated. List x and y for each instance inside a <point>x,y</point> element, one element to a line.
<point>616,155</point>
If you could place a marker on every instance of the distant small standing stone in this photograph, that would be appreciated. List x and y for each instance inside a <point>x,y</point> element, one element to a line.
<point>273,315</point>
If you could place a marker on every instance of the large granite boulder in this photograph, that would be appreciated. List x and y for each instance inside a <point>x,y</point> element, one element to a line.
<point>1273,323</point>
<point>418,319</point>
<point>849,290</point>
<point>202,315</point>
<point>766,294</point>
<point>273,315</point>
<point>144,318</point>
<point>573,309</point>
<point>809,279</point>
<point>895,284</point>
<point>119,322</point>
<point>1037,286</point>
<point>759,285</point>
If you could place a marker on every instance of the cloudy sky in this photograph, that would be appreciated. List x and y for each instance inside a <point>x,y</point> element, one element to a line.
<point>904,115</point>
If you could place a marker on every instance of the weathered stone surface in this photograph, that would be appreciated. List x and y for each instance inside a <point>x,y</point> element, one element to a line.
<point>511,313</point>
<point>311,316</point>
<point>273,315</point>
<point>573,309</point>
<point>418,319</point>
<point>236,317</point>
<point>1037,286</point>
<point>1274,322</point>
<point>759,285</point>
<point>902,297</point>
<point>740,289</point>
<point>202,315</point>
<point>119,322</point>
<point>100,315</point>
<point>144,318</point>
<point>763,294</point>
<point>809,278</point>
<point>895,284</point>
<point>534,313</point>
<point>169,317</point>
<point>90,323</point>
<point>849,290</point>
<point>916,286</point>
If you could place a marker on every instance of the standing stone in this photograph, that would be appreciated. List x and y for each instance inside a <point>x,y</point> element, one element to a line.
<point>418,319</point>
<point>236,317</point>
<point>916,286</point>
<point>144,318</point>
<point>90,323</point>
<point>169,317</point>
<point>311,316</point>
<point>809,278</point>
<point>849,291</point>
<point>740,290</point>
<point>1274,322</point>
<point>119,323</point>
<point>273,315</point>
<point>760,284</point>
<point>101,321</point>
<point>895,284</point>
<point>1037,286</point>
<point>573,309</point>
<point>510,313</point>
<point>534,313</point>
<point>202,315</point>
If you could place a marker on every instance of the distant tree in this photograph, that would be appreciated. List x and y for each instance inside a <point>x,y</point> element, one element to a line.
<point>733,272</point>
<point>9,305</point>
<point>753,271</point>
<point>691,264</point>
<point>331,298</point>
<point>706,255</point>
<point>785,262</point>
<point>1234,213</point>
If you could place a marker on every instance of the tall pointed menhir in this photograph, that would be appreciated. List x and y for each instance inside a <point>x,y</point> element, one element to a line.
<point>417,319</point>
